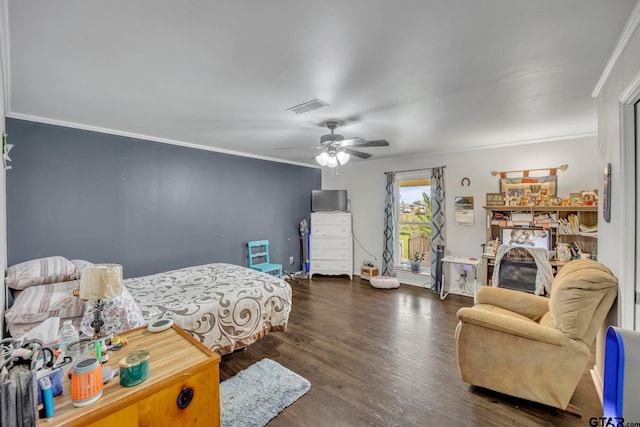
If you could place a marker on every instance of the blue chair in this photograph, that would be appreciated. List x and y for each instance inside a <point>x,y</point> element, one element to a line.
<point>258,253</point>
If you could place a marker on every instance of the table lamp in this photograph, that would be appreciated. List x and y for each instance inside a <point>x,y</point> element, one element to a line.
<point>100,281</point>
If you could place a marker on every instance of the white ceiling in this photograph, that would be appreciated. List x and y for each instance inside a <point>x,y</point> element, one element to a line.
<point>427,75</point>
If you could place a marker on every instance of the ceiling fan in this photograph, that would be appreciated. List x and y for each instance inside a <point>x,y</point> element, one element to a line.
<point>336,150</point>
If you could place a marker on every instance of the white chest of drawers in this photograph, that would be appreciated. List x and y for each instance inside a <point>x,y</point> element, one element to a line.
<point>331,244</point>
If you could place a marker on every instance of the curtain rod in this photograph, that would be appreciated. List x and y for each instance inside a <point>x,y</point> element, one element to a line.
<point>413,170</point>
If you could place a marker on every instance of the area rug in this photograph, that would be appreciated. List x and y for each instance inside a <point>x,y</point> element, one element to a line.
<point>257,394</point>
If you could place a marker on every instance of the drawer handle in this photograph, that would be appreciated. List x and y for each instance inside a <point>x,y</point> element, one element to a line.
<point>185,397</point>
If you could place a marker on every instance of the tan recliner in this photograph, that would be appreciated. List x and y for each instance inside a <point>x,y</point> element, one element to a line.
<point>533,347</point>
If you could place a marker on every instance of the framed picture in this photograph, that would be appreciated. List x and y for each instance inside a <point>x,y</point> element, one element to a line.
<point>576,199</point>
<point>495,199</point>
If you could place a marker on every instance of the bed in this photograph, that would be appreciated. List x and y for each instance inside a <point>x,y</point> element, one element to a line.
<point>222,305</point>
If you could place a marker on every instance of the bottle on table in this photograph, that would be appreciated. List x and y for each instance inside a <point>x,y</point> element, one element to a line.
<point>68,335</point>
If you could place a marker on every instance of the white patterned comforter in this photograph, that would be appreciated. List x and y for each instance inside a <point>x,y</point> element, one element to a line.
<point>224,306</point>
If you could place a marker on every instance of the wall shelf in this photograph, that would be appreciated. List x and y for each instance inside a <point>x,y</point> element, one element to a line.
<point>557,220</point>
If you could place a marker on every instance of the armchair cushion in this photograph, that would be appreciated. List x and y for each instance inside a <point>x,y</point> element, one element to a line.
<point>526,304</point>
<point>502,321</point>
<point>578,292</point>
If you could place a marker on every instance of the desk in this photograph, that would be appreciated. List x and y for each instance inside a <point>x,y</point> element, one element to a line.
<point>459,260</point>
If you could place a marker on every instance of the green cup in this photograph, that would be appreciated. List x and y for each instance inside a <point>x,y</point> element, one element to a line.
<point>134,368</point>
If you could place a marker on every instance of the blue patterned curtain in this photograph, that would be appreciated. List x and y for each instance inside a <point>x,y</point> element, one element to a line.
<point>437,222</point>
<point>388,267</point>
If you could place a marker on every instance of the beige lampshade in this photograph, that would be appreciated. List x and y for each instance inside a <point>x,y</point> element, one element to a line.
<point>101,281</point>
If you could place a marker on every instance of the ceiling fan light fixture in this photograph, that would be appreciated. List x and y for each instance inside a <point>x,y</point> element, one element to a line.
<point>329,138</point>
<point>336,151</point>
<point>322,158</point>
<point>343,157</point>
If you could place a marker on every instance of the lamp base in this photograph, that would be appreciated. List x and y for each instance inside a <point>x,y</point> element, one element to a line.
<point>98,322</point>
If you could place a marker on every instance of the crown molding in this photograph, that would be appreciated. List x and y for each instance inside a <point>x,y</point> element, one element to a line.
<point>632,92</point>
<point>518,143</point>
<point>627,32</point>
<point>150,138</point>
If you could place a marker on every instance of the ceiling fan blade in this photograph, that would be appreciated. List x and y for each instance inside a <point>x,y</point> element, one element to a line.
<point>379,143</point>
<point>359,154</point>
<point>351,142</point>
<point>374,143</point>
<point>298,148</point>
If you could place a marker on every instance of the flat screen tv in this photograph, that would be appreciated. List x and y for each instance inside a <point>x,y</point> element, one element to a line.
<point>528,237</point>
<point>328,200</point>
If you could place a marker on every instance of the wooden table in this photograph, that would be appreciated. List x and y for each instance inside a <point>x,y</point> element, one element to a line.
<point>176,362</point>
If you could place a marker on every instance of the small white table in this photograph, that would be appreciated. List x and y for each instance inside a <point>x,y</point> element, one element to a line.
<point>459,260</point>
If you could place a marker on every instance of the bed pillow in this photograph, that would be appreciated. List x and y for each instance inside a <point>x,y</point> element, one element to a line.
<point>120,313</point>
<point>38,303</point>
<point>40,271</point>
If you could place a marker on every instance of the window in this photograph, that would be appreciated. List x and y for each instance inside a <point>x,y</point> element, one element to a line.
<point>414,218</point>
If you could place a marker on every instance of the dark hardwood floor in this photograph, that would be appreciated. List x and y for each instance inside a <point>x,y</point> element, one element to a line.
<point>387,358</point>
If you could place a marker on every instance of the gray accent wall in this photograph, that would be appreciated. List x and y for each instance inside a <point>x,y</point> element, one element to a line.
<point>146,205</point>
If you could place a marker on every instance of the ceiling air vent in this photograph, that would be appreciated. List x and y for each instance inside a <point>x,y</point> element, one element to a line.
<point>314,104</point>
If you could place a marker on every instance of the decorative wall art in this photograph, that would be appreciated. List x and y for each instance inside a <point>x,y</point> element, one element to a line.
<point>464,210</point>
<point>495,199</point>
<point>529,188</point>
<point>5,151</point>
<point>526,190</point>
<point>606,199</point>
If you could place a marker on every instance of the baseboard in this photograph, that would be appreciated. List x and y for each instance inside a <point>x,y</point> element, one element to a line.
<point>422,279</point>
<point>597,382</point>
